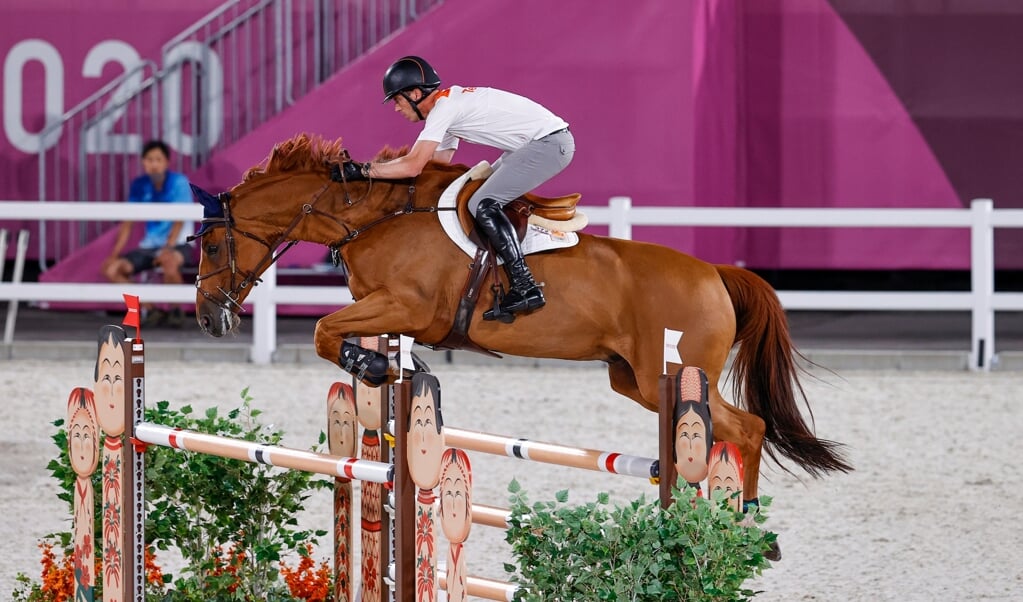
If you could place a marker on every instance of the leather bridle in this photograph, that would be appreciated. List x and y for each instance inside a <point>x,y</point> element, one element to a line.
<point>242,279</point>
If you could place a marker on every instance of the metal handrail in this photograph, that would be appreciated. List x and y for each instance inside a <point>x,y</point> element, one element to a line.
<point>195,27</point>
<point>244,62</point>
<point>98,94</point>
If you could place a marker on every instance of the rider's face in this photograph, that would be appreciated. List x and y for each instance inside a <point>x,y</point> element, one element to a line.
<point>401,105</point>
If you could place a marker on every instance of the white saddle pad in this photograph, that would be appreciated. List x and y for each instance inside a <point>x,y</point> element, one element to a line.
<point>537,238</point>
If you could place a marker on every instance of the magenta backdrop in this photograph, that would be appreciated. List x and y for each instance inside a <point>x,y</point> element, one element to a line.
<point>708,102</point>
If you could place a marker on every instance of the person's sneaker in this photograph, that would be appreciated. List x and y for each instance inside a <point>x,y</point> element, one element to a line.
<point>155,318</point>
<point>175,319</point>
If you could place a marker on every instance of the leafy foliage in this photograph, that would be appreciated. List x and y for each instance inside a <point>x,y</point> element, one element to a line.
<point>695,550</point>
<point>202,503</point>
<point>231,521</point>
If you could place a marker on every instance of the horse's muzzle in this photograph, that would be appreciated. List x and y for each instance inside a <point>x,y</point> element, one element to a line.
<point>217,322</point>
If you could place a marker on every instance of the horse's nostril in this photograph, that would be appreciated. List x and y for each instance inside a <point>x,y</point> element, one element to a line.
<point>205,322</point>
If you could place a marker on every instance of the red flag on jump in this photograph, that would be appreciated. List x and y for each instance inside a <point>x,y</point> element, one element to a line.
<point>132,317</point>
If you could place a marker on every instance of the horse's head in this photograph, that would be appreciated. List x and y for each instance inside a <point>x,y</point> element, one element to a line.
<point>242,235</point>
<point>297,195</point>
<point>220,290</point>
<point>245,230</point>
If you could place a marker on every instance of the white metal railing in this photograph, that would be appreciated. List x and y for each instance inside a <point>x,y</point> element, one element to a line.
<point>981,218</point>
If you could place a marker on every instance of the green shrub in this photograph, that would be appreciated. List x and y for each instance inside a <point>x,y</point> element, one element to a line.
<point>695,550</point>
<point>231,521</point>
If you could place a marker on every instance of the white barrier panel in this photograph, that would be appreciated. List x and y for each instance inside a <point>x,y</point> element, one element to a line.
<point>981,219</point>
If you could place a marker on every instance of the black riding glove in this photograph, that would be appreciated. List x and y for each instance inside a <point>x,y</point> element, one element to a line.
<point>353,171</point>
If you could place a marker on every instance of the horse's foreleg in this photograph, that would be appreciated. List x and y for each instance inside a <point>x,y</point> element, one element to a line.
<point>377,313</point>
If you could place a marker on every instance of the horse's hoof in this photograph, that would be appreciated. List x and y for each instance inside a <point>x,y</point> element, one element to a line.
<point>774,552</point>
<point>370,367</point>
<point>372,380</point>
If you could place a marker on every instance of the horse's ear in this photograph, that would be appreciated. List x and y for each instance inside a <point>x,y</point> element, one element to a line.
<point>211,206</point>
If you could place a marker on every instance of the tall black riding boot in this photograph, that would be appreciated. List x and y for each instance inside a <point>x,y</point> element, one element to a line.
<point>525,294</point>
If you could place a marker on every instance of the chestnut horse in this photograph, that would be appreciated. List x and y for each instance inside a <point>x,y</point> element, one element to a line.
<point>608,299</point>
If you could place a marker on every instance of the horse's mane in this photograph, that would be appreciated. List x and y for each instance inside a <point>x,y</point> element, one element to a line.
<point>302,152</point>
<point>306,152</point>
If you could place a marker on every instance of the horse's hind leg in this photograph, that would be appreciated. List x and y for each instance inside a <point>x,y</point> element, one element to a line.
<point>744,430</point>
<point>623,380</point>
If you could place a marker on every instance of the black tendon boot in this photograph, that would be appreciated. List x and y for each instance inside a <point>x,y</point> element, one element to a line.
<point>367,365</point>
<point>525,294</point>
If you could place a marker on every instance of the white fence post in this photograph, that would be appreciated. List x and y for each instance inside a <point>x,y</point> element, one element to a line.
<point>620,226</point>
<point>16,276</point>
<point>982,281</point>
<point>264,318</point>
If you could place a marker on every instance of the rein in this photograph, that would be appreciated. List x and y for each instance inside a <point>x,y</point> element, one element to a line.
<point>270,257</point>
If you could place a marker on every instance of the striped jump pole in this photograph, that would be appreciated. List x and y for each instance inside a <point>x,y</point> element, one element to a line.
<point>551,453</point>
<point>479,587</point>
<point>490,516</point>
<point>482,514</point>
<point>273,455</point>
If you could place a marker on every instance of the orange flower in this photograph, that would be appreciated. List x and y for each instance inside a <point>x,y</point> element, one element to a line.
<point>58,578</point>
<point>304,582</point>
<point>154,575</point>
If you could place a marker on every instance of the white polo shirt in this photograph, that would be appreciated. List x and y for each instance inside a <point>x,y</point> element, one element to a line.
<point>487,116</point>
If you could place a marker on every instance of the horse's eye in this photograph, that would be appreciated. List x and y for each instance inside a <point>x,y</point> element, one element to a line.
<point>212,250</point>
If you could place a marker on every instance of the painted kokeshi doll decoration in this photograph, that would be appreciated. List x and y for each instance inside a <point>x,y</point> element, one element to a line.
<point>108,389</point>
<point>726,473</point>
<point>694,433</point>
<point>342,437</point>
<point>425,445</point>
<point>368,401</point>
<point>83,452</point>
<point>456,516</point>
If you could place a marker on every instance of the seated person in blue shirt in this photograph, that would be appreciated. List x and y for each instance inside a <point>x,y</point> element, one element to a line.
<point>164,243</point>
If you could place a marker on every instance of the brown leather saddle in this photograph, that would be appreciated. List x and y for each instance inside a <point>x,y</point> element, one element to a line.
<point>560,208</point>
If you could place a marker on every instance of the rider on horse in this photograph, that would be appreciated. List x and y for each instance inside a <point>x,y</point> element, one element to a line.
<point>536,143</point>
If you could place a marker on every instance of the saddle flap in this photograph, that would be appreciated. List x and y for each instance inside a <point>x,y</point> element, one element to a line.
<point>518,211</point>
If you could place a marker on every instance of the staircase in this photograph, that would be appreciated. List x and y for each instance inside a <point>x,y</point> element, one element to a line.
<point>231,71</point>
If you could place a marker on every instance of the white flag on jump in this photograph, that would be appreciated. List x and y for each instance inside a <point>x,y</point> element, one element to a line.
<point>671,339</point>
<point>404,355</point>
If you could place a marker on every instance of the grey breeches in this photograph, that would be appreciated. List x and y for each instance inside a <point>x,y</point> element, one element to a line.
<point>523,170</point>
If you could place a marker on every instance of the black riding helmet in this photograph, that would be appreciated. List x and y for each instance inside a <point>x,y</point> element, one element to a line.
<point>409,73</point>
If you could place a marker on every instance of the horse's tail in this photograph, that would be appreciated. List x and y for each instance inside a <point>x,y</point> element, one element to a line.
<point>765,374</point>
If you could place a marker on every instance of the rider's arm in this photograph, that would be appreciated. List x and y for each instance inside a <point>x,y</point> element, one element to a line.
<point>409,165</point>
<point>444,156</point>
